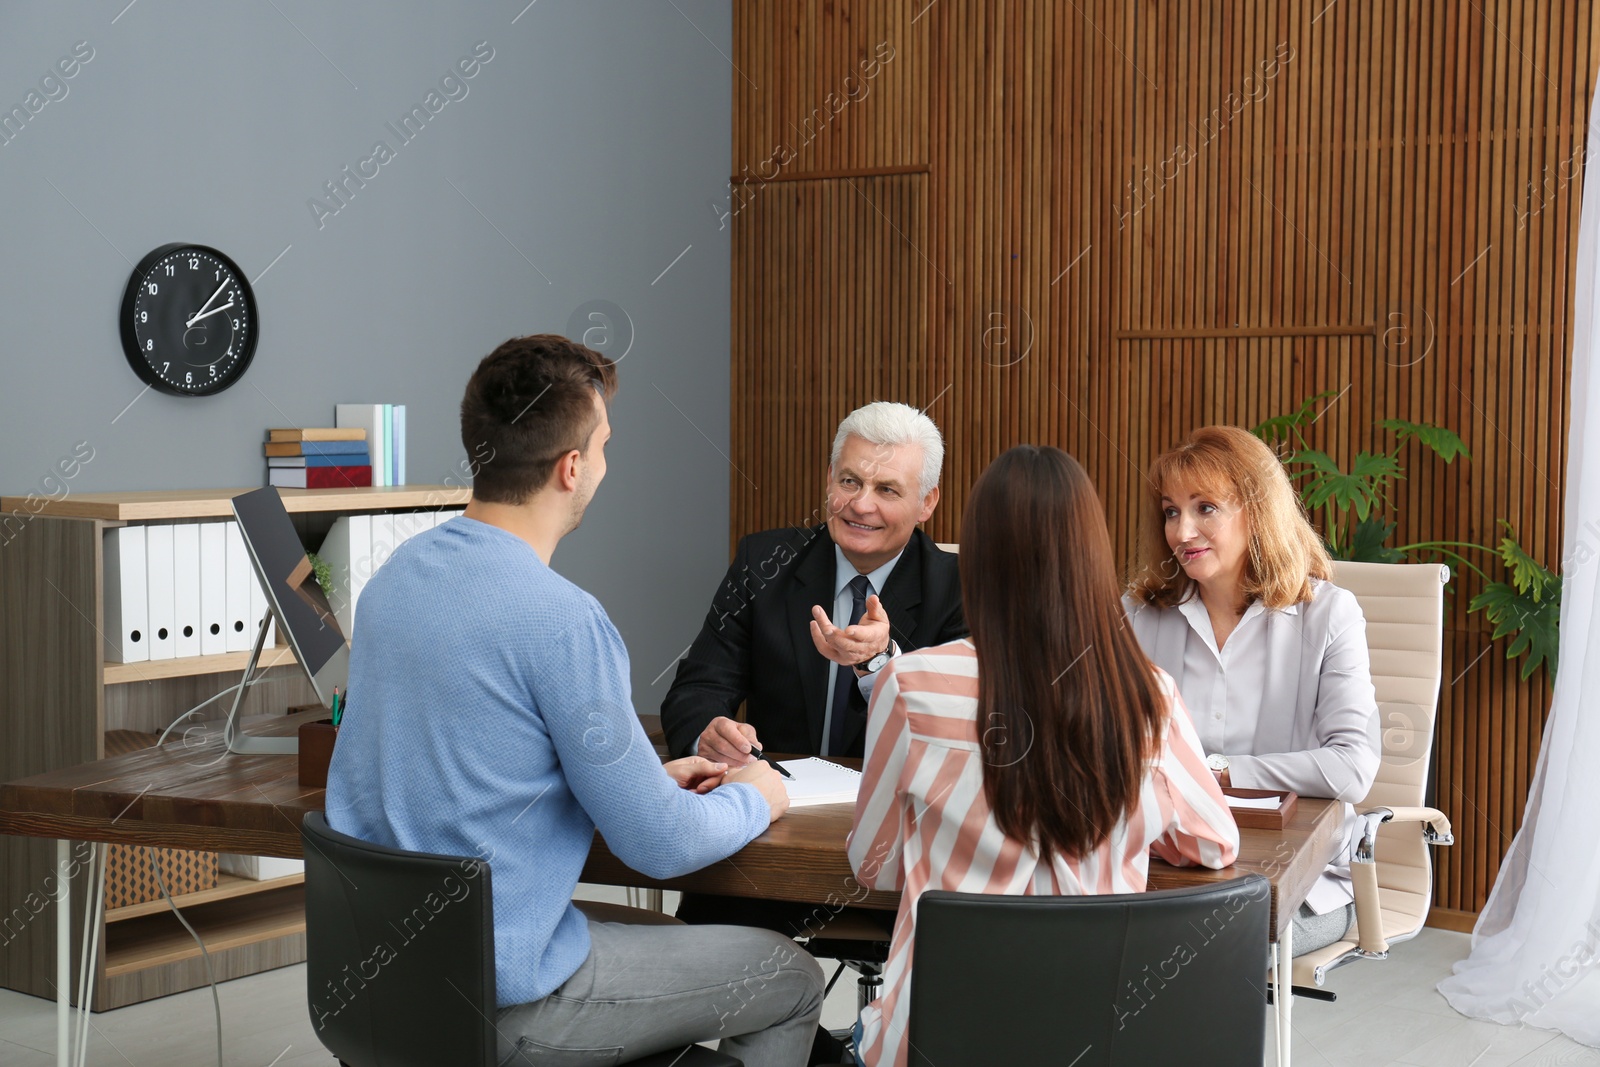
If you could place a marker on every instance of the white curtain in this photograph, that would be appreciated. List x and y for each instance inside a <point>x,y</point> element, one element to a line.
<point>1536,949</point>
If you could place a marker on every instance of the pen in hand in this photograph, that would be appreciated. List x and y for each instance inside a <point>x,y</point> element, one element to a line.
<point>758,754</point>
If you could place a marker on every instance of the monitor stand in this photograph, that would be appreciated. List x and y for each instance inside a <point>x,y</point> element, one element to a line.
<point>245,743</point>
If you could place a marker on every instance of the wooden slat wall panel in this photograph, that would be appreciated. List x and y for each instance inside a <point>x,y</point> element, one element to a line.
<point>1101,224</point>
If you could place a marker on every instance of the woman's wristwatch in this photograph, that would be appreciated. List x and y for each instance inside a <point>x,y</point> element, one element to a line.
<point>1217,762</point>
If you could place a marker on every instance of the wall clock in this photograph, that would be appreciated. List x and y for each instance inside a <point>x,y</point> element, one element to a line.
<point>188,320</point>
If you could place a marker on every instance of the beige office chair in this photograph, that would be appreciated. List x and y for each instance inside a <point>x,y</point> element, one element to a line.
<point>1392,869</point>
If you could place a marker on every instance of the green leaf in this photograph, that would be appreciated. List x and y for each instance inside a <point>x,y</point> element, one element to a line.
<point>1282,427</point>
<point>1534,622</point>
<point>1367,543</point>
<point>1445,443</point>
<point>1528,574</point>
<point>1361,489</point>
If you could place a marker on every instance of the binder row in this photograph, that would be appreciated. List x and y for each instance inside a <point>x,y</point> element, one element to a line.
<point>189,589</point>
<point>358,545</point>
<point>179,590</point>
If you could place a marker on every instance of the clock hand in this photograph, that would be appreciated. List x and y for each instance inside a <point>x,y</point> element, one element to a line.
<point>199,314</point>
<point>210,313</point>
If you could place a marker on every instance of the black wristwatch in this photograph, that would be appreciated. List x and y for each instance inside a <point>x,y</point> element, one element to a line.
<point>875,664</point>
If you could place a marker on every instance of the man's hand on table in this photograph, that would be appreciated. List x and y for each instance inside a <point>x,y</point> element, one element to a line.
<point>726,741</point>
<point>765,778</point>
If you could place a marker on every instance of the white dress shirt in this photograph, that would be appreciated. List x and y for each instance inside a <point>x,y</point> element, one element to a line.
<point>1297,704</point>
<point>1224,687</point>
<point>844,572</point>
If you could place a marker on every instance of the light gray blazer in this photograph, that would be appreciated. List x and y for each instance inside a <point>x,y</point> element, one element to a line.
<point>1318,730</point>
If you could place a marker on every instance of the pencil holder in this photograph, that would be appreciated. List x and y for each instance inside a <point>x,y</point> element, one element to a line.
<point>316,752</point>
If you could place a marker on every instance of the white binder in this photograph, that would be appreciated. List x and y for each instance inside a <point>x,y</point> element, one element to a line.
<point>213,588</point>
<point>159,593</point>
<point>383,541</point>
<point>127,605</point>
<point>347,550</point>
<point>186,589</point>
<point>240,627</point>
<point>258,608</point>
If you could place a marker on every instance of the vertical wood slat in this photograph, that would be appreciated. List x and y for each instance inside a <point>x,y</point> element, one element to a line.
<point>1355,187</point>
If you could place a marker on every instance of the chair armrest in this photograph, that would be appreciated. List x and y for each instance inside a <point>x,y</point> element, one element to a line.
<point>1369,914</point>
<point>1437,831</point>
<point>1364,867</point>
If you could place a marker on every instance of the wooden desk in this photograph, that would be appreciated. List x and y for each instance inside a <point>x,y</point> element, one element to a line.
<point>198,798</point>
<point>180,797</point>
<point>802,858</point>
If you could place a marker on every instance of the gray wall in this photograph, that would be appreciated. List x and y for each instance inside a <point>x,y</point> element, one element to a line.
<point>576,167</point>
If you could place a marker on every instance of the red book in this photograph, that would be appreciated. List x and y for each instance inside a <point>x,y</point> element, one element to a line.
<point>319,477</point>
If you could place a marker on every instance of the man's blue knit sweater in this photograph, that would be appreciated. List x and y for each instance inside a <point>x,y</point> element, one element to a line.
<point>490,715</point>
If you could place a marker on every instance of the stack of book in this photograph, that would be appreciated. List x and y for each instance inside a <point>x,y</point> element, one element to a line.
<point>318,458</point>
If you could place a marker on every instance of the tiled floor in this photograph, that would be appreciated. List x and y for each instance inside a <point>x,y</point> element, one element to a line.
<point>1386,1013</point>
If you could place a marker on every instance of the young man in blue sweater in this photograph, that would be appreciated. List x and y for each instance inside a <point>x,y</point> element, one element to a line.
<point>490,714</point>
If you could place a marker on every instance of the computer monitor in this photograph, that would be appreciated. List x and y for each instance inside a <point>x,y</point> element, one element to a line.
<point>297,602</point>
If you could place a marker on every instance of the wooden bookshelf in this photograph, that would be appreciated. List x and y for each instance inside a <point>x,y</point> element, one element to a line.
<point>158,506</point>
<point>58,698</point>
<point>188,666</point>
<point>228,887</point>
<point>235,922</point>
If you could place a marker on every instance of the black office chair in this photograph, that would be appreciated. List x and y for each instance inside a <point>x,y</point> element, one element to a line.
<point>1176,976</point>
<point>400,957</point>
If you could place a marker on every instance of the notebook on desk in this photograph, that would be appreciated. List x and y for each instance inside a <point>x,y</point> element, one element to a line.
<point>820,781</point>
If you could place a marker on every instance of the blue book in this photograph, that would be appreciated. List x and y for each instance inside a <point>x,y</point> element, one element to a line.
<point>343,459</point>
<point>333,448</point>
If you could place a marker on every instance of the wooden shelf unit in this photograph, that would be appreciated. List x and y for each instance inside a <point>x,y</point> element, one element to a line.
<point>228,887</point>
<point>58,697</point>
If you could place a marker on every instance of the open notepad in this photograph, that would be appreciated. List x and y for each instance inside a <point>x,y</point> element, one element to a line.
<point>1272,803</point>
<point>819,781</point>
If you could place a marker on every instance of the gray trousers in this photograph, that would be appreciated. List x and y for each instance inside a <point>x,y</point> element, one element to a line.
<point>646,989</point>
<point>1312,931</point>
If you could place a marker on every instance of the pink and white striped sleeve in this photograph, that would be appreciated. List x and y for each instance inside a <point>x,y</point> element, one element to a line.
<point>1199,827</point>
<point>875,843</point>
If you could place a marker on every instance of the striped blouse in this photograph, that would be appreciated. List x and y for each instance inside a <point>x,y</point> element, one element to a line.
<point>923,822</point>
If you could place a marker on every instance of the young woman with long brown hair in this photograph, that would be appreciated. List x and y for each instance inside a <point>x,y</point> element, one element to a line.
<point>1046,749</point>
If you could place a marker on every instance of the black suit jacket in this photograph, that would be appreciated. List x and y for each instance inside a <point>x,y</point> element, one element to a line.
<point>755,647</point>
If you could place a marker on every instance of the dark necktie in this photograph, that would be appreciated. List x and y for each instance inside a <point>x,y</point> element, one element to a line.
<point>844,674</point>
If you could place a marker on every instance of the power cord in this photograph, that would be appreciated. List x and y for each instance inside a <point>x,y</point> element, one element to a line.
<point>211,976</point>
<point>231,689</point>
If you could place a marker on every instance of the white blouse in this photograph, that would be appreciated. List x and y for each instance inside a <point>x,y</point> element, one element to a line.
<point>1224,688</point>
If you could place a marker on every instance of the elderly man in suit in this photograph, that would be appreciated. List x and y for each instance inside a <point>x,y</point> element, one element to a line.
<point>807,615</point>
<point>806,618</point>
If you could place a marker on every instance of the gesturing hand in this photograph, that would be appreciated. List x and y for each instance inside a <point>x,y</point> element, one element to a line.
<point>852,644</point>
<point>726,741</point>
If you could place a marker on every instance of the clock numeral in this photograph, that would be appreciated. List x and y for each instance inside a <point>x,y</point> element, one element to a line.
<point>235,324</point>
<point>164,367</point>
<point>194,264</point>
<point>170,269</point>
<point>188,377</point>
<point>150,345</point>
<point>144,316</point>
<point>152,287</point>
<point>213,370</point>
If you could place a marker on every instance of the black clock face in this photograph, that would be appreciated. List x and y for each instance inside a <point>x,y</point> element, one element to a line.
<point>188,320</point>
